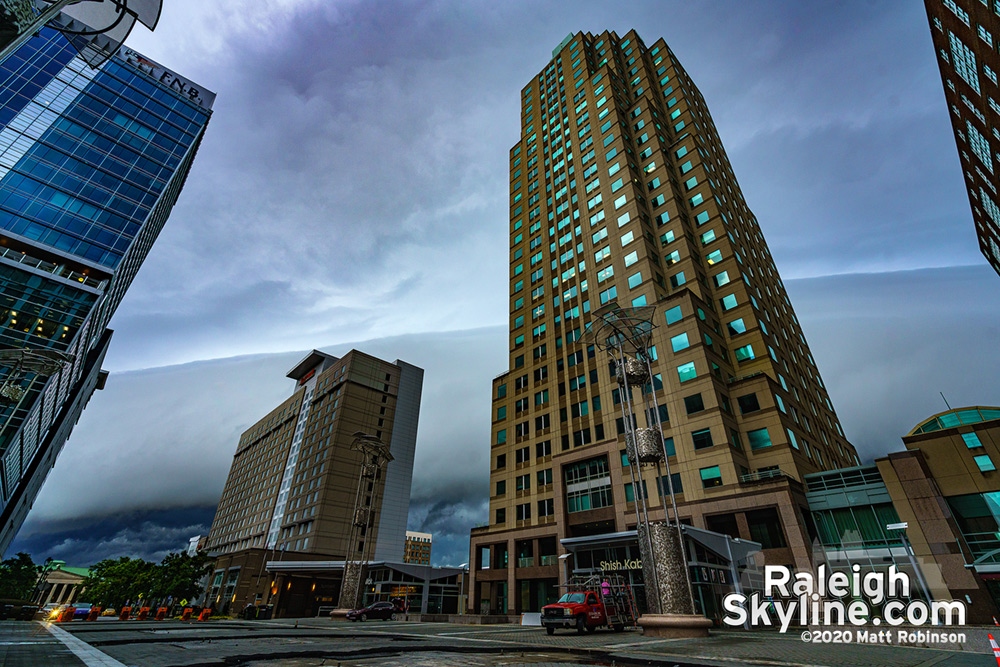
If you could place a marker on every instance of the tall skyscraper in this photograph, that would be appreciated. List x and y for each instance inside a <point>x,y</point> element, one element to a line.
<point>621,192</point>
<point>91,164</point>
<point>292,488</point>
<point>963,32</point>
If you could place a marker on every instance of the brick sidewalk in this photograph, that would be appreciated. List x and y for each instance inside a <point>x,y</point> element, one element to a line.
<point>28,644</point>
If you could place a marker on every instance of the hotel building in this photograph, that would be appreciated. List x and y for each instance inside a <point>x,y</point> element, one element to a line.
<point>292,489</point>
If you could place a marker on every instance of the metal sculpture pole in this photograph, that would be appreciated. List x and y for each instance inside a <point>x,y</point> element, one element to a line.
<point>375,456</point>
<point>631,448</point>
<point>625,334</point>
<point>655,411</point>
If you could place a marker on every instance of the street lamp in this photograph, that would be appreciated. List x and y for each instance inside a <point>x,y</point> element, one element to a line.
<point>461,591</point>
<point>901,527</point>
<point>375,457</point>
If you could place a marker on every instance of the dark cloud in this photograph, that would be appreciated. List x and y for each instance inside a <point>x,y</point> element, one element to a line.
<point>356,165</point>
<point>149,535</point>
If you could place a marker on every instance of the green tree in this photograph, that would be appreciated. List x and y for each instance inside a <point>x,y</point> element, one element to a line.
<point>18,577</point>
<point>178,575</point>
<point>114,582</point>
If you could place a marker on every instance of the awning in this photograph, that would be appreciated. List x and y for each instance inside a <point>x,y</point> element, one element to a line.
<point>714,542</point>
<point>425,572</point>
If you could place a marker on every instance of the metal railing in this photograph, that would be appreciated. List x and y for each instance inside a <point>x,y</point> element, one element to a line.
<point>734,379</point>
<point>526,561</point>
<point>985,547</point>
<point>763,476</point>
<point>55,269</point>
<point>549,560</point>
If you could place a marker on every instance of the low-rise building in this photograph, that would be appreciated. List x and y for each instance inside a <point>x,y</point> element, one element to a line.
<point>61,584</point>
<point>945,487</point>
<point>418,548</point>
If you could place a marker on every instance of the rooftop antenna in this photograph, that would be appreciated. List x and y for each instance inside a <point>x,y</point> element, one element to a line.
<point>944,399</point>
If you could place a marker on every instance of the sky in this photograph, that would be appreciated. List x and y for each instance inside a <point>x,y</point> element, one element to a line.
<point>351,191</point>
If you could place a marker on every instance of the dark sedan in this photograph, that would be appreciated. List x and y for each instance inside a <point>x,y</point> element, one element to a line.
<point>385,611</point>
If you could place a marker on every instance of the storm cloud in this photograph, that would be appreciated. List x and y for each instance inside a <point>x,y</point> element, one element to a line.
<point>353,185</point>
<point>353,180</point>
<point>156,444</point>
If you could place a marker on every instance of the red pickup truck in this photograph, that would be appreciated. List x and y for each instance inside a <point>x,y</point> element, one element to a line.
<point>582,610</point>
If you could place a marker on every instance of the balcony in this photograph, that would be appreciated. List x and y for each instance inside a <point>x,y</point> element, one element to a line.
<point>763,476</point>
<point>549,560</point>
<point>733,379</point>
<point>59,270</point>
<point>526,561</point>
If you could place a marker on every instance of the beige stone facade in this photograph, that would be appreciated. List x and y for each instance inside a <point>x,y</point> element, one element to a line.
<point>945,486</point>
<point>292,490</point>
<point>621,192</point>
<point>418,548</point>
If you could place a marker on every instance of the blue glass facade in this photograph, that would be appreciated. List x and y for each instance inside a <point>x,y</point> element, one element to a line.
<point>91,163</point>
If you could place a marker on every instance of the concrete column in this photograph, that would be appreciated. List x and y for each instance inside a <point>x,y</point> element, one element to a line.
<point>511,577</point>
<point>425,593</point>
<point>58,596</point>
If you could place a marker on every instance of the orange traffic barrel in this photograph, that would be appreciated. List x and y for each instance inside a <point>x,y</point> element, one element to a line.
<point>161,613</point>
<point>126,611</point>
<point>67,614</point>
<point>186,614</point>
<point>143,614</point>
<point>205,613</point>
<point>95,612</point>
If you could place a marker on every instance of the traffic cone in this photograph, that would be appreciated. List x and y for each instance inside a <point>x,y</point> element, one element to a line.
<point>995,621</point>
<point>996,649</point>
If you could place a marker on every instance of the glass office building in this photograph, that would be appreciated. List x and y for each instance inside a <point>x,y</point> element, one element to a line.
<point>91,164</point>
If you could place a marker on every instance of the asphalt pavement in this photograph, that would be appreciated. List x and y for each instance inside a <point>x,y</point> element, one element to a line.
<point>322,642</point>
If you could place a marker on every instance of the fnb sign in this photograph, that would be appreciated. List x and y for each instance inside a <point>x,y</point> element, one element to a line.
<point>175,82</point>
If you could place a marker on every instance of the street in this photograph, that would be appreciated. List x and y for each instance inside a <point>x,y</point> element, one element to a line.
<point>320,642</point>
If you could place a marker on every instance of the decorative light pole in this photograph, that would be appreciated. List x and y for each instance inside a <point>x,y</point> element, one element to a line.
<point>375,456</point>
<point>96,28</point>
<point>901,528</point>
<point>625,334</point>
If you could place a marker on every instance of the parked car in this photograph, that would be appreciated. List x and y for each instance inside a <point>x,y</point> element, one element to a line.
<point>17,610</point>
<point>50,612</point>
<point>82,611</point>
<point>381,610</point>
